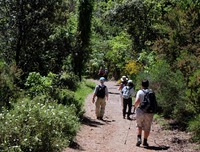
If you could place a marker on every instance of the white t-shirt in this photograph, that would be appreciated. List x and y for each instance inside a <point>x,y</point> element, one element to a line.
<point>140,94</point>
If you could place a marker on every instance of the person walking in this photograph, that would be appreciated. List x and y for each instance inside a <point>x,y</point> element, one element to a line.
<point>124,81</point>
<point>101,92</point>
<point>101,72</point>
<point>143,119</point>
<point>127,94</point>
<point>106,74</point>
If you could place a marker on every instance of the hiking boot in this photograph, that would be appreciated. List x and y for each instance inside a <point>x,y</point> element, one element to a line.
<point>138,142</point>
<point>145,144</point>
<point>129,118</point>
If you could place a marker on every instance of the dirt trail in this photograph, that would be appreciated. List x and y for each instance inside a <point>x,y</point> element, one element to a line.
<point>116,134</point>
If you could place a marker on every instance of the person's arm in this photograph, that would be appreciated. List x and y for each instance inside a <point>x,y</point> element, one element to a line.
<point>93,98</point>
<point>107,97</point>
<point>94,95</point>
<point>120,87</point>
<point>106,91</point>
<point>137,100</point>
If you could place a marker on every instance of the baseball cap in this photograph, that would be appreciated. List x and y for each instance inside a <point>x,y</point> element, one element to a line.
<point>130,81</point>
<point>102,79</point>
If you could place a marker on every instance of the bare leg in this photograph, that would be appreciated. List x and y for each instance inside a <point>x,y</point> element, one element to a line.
<point>146,135</point>
<point>139,136</point>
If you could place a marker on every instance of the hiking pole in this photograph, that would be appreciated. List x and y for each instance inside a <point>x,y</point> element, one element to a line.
<point>129,126</point>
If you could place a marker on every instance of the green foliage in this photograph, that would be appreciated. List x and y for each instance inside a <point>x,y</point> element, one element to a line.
<point>54,87</point>
<point>193,92</point>
<point>36,35</point>
<point>81,51</point>
<point>194,126</point>
<point>120,47</point>
<point>39,85</point>
<point>168,85</point>
<point>38,127</point>
<point>68,80</point>
<point>84,89</point>
<point>67,98</point>
<point>9,75</point>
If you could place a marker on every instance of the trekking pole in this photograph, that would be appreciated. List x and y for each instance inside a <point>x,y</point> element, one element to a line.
<point>129,126</point>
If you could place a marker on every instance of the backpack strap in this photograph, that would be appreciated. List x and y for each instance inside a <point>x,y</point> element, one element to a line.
<point>101,87</point>
<point>145,92</point>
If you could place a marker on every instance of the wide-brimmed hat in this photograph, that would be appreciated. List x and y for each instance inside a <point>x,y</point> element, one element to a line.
<point>124,78</point>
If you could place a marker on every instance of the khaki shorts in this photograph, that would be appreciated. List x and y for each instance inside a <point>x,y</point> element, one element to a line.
<point>143,120</point>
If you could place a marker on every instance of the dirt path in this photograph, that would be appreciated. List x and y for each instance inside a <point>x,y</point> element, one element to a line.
<point>116,134</point>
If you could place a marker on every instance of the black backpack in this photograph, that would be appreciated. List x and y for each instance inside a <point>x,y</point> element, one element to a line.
<point>101,91</point>
<point>149,104</point>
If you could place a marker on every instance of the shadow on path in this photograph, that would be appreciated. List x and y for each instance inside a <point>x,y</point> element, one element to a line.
<point>90,122</point>
<point>113,93</point>
<point>75,145</point>
<point>159,147</point>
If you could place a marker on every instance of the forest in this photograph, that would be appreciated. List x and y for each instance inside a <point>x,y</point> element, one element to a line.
<point>49,48</point>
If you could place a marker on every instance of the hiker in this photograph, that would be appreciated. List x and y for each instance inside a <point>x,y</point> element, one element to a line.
<point>127,94</point>
<point>123,83</point>
<point>143,119</point>
<point>106,74</point>
<point>101,72</point>
<point>101,92</point>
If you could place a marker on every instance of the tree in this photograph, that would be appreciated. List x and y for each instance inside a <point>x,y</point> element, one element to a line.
<point>81,50</point>
<point>35,34</point>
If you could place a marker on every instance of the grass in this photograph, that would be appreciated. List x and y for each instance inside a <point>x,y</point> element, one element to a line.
<point>161,121</point>
<point>86,87</point>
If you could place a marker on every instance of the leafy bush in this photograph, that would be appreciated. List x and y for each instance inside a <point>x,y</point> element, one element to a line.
<point>50,87</point>
<point>39,85</point>
<point>85,87</point>
<point>194,126</point>
<point>9,75</point>
<point>67,98</point>
<point>168,85</point>
<point>37,127</point>
<point>69,80</point>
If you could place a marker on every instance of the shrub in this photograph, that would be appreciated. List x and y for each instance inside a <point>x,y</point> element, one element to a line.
<point>194,126</point>
<point>38,127</point>
<point>51,87</point>
<point>168,85</point>
<point>39,85</point>
<point>69,80</point>
<point>9,75</point>
<point>67,98</point>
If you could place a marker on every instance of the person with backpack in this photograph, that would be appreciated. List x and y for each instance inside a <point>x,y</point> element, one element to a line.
<point>101,92</point>
<point>127,94</point>
<point>123,83</point>
<point>145,104</point>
